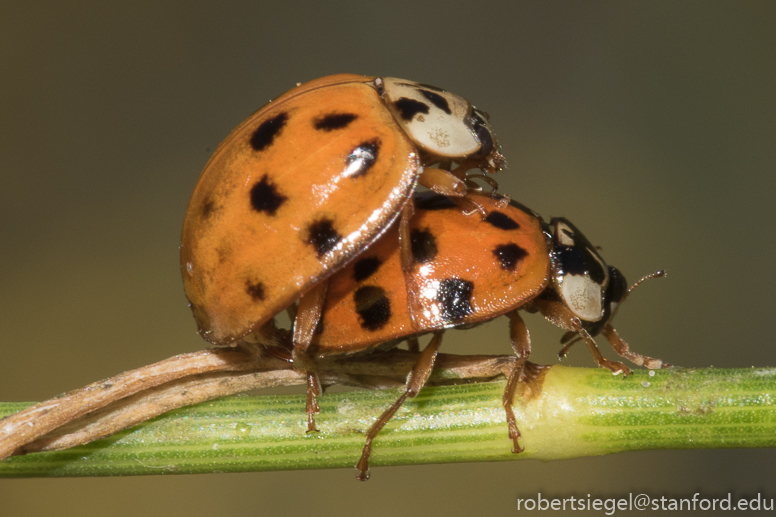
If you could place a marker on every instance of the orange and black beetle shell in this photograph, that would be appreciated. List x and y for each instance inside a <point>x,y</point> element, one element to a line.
<point>467,269</point>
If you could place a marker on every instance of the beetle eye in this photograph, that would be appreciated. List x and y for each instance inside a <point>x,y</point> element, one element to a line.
<point>483,134</point>
<point>618,286</point>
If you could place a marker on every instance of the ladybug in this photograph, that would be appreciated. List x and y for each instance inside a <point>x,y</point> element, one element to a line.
<point>470,270</point>
<point>308,182</point>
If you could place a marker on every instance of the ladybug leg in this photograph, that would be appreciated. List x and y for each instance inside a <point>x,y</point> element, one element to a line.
<point>557,314</point>
<point>621,347</point>
<point>413,345</point>
<point>521,344</point>
<point>268,339</point>
<point>415,381</point>
<point>449,184</point>
<point>311,404</point>
<point>473,186</point>
<point>469,164</point>
<point>308,315</point>
<point>615,367</point>
<point>568,339</point>
<point>443,182</point>
<point>405,241</point>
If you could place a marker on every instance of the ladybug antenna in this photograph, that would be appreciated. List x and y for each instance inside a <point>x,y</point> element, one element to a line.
<point>657,274</point>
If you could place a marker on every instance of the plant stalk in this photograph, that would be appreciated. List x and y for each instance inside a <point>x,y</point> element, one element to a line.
<point>568,413</point>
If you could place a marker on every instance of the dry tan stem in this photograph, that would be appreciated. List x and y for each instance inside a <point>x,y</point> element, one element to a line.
<point>103,408</point>
<point>155,401</point>
<point>44,417</point>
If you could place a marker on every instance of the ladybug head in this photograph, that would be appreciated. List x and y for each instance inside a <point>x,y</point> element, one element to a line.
<point>584,295</point>
<point>583,283</point>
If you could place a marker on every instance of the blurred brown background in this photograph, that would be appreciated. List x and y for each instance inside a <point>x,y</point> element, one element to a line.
<point>652,125</point>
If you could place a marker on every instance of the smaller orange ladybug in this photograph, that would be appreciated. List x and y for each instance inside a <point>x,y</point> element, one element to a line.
<point>309,181</point>
<point>469,270</point>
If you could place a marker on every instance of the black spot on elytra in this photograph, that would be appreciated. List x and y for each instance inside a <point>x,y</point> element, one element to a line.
<point>334,121</point>
<point>255,290</point>
<point>362,158</point>
<point>365,268</point>
<point>265,196</point>
<point>427,201</point>
<point>208,207</point>
<point>408,108</point>
<point>423,245</point>
<point>224,252</point>
<point>322,236</point>
<point>266,133</point>
<point>373,306</point>
<point>501,221</point>
<point>509,255</point>
<point>437,100</point>
<point>455,296</point>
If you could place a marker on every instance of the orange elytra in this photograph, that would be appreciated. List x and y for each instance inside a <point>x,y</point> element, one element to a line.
<point>465,268</point>
<point>468,270</point>
<point>309,181</point>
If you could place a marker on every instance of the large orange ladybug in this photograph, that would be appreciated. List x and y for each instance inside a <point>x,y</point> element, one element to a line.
<point>469,270</point>
<point>310,180</point>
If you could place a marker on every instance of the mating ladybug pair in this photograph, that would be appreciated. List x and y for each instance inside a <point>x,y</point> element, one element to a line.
<point>310,205</point>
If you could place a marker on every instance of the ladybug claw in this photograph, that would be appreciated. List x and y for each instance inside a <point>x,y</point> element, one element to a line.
<point>617,368</point>
<point>311,427</point>
<point>363,469</point>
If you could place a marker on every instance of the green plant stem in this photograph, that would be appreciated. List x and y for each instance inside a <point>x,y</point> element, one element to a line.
<point>579,412</point>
